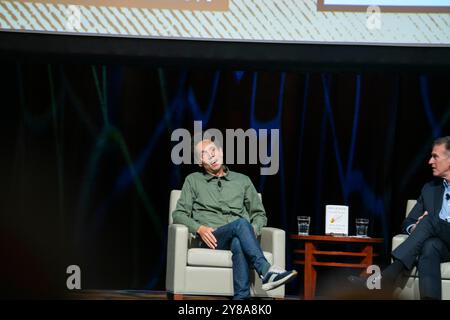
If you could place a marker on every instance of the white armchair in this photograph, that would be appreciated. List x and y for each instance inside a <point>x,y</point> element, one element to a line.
<point>411,289</point>
<point>200,271</point>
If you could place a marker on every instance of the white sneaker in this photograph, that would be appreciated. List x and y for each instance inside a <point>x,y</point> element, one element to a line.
<point>276,277</point>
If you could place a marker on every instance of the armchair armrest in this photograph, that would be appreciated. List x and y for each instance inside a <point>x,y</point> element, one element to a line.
<point>398,239</point>
<point>177,245</point>
<point>274,240</point>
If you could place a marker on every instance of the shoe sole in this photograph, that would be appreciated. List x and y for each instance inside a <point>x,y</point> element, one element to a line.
<point>276,284</point>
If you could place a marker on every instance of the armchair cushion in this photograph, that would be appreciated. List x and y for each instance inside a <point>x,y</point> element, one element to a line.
<point>214,258</point>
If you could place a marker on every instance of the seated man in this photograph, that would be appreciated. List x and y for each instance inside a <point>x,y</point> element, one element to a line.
<point>429,227</point>
<point>224,209</point>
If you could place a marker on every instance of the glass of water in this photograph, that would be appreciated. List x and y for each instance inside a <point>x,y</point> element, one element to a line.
<point>362,225</point>
<point>303,225</point>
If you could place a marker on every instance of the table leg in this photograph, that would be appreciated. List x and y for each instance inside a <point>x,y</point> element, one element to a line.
<point>368,258</point>
<point>310,272</point>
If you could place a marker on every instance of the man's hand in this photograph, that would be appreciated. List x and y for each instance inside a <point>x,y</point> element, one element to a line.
<point>254,230</point>
<point>206,233</point>
<point>418,220</point>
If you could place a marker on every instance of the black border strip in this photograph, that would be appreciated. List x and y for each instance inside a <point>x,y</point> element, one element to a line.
<point>46,48</point>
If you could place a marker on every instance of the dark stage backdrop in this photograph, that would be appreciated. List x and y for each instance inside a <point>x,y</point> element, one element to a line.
<point>86,169</point>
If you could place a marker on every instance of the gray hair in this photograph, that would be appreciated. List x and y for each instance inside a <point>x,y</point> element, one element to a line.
<point>443,141</point>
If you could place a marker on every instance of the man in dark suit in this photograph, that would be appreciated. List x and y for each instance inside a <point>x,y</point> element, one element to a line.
<point>428,226</point>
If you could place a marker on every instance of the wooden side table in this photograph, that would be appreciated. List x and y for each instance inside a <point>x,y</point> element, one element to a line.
<point>311,251</point>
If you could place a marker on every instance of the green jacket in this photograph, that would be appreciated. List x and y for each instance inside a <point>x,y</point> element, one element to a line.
<point>215,201</point>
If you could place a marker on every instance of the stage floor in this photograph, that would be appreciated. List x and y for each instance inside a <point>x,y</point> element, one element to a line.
<point>142,295</point>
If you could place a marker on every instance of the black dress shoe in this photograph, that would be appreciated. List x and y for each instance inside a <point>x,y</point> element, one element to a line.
<point>359,285</point>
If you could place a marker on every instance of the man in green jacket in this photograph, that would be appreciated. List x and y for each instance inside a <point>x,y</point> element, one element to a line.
<point>224,209</point>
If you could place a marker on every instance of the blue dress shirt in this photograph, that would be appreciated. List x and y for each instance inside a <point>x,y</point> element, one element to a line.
<point>445,210</point>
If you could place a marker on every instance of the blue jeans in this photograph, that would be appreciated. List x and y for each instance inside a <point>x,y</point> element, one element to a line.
<point>239,237</point>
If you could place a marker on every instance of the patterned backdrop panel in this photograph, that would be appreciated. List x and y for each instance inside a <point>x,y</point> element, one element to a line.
<point>298,21</point>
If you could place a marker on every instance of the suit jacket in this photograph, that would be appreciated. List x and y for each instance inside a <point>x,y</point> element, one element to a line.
<point>430,200</point>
